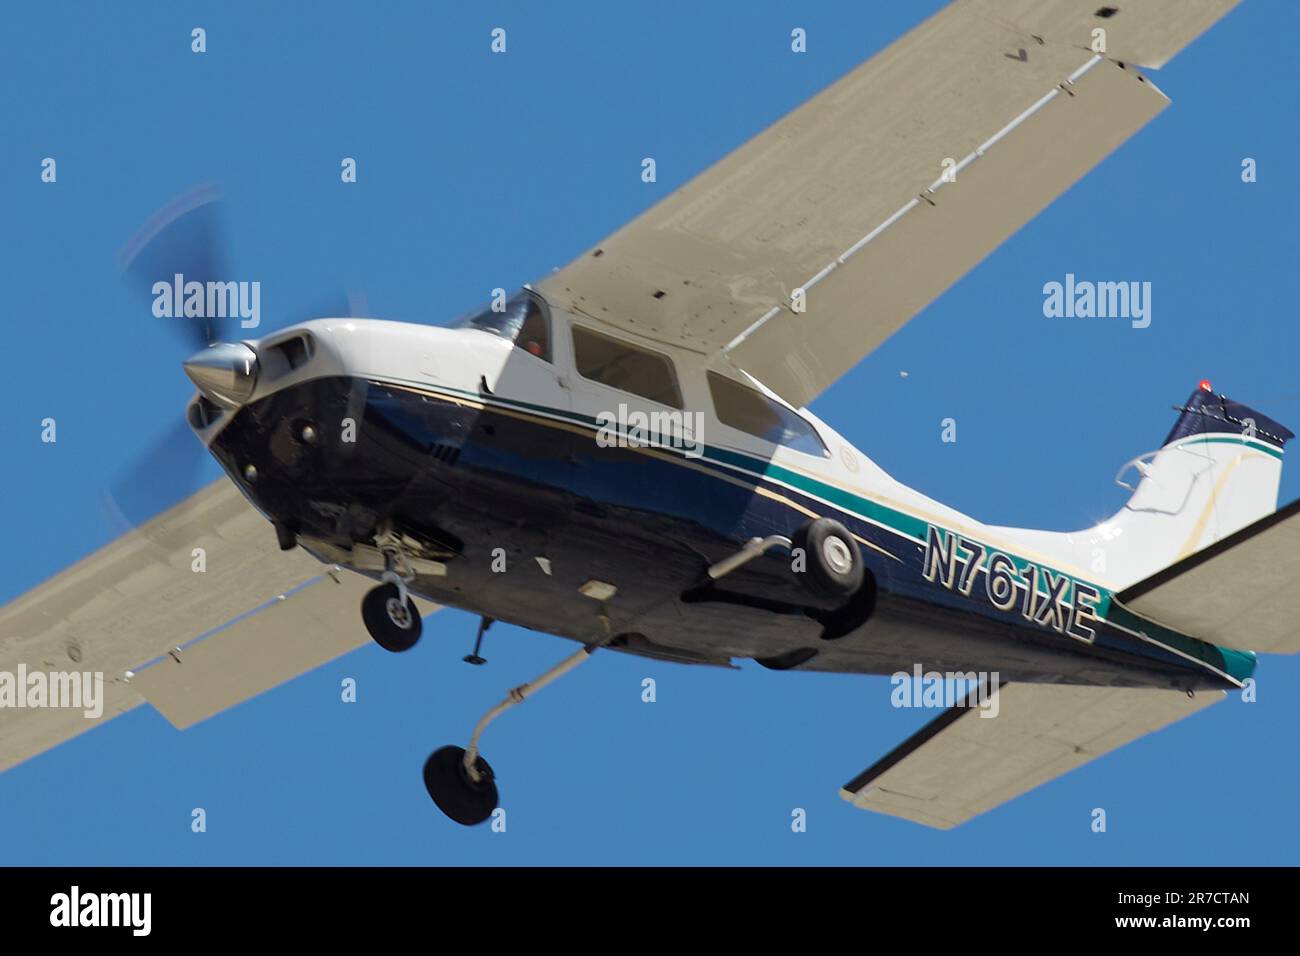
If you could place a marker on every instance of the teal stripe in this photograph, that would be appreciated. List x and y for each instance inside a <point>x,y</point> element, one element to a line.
<point>1254,443</point>
<point>1240,664</point>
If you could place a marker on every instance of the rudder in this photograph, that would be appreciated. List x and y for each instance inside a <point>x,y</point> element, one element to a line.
<point>1218,470</point>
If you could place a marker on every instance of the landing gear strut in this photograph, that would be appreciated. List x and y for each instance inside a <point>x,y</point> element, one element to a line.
<point>460,781</point>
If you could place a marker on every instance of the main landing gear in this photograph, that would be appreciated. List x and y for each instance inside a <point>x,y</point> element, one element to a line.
<point>460,781</point>
<point>467,799</point>
<point>832,567</point>
<point>389,614</point>
<point>834,564</point>
<point>463,784</point>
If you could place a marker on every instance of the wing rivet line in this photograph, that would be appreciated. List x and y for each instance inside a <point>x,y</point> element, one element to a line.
<point>925,196</point>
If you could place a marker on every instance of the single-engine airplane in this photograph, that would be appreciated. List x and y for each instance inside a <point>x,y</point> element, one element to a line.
<point>621,453</point>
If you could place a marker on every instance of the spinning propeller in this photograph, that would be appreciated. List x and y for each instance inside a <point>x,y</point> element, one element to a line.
<point>181,243</point>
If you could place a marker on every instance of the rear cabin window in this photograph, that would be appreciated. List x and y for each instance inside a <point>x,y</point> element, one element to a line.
<point>752,412</point>
<point>625,367</point>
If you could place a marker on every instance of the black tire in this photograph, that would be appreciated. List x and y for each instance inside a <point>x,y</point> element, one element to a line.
<point>462,799</point>
<point>381,612</point>
<point>788,660</point>
<point>833,564</point>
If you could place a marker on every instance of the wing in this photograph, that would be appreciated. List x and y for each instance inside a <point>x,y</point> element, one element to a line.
<point>293,634</point>
<point>844,197</point>
<point>138,598</point>
<point>1241,592</point>
<point>962,764</point>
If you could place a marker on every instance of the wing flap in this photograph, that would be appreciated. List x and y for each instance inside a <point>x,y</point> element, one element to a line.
<point>940,238</point>
<point>296,633</point>
<point>134,599</point>
<point>1241,592</point>
<point>963,764</point>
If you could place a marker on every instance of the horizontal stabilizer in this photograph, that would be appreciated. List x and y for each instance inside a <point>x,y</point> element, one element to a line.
<point>962,764</point>
<point>1241,592</point>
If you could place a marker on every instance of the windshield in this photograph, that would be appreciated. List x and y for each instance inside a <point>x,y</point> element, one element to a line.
<point>506,323</point>
<point>519,320</point>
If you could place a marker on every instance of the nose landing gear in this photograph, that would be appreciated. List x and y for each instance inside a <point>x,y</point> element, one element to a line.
<point>391,617</point>
<point>389,614</point>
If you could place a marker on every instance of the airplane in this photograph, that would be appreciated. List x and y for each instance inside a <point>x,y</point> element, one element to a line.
<point>621,453</point>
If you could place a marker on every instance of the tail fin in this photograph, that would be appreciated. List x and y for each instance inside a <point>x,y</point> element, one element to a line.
<point>1217,471</point>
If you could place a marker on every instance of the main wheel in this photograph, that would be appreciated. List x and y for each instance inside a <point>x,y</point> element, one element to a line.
<point>456,793</point>
<point>833,566</point>
<point>393,623</point>
<point>788,660</point>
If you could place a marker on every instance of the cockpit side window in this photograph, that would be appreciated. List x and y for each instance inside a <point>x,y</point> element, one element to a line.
<point>522,321</point>
<point>752,412</point>
<point>626,367</point>
<point>534,334</point>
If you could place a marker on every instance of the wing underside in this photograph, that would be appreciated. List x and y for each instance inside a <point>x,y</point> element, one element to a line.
<point>295,633</point>
<point>198,568</point>
<point>841,208</point>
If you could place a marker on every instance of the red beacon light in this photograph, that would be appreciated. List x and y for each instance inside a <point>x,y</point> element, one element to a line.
<point>1205,385</point>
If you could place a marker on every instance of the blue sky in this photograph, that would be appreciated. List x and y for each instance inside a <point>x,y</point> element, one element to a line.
<point>477,171</point>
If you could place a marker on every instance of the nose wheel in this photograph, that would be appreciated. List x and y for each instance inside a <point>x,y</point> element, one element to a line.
<point>389,614</point>
<point>391,617</point>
